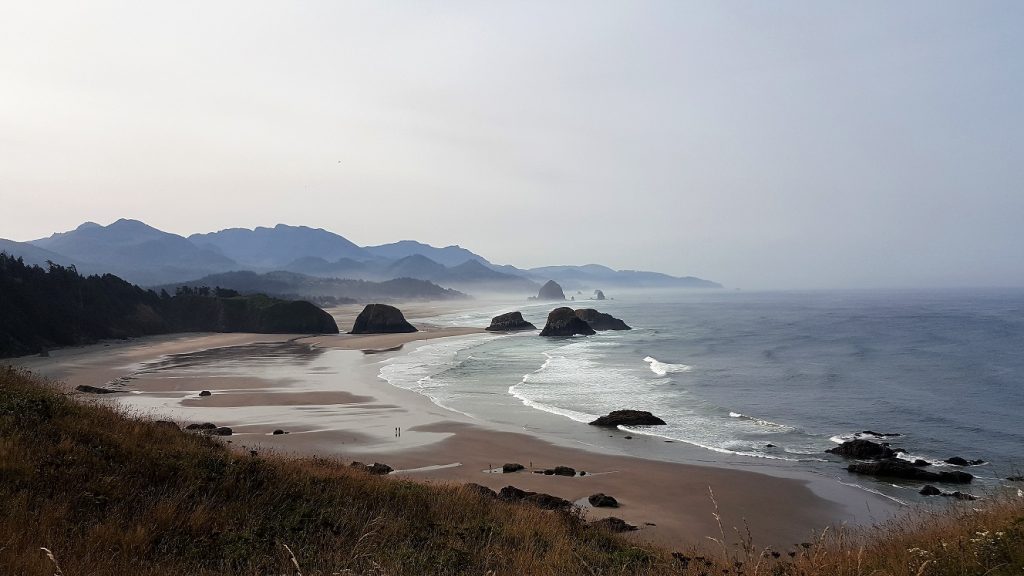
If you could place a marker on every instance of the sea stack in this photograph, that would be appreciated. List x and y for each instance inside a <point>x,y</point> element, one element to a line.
<point>598,295</point>
<point>381,319</point>
<point>509,323</point>
<point>551,291</point>
<point>564,322</point>
<point>600,320</point>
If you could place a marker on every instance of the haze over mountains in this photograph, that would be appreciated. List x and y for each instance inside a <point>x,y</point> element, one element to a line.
<point>150,257</point>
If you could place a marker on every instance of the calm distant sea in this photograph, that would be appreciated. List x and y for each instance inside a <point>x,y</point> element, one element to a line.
<point>773,377</point>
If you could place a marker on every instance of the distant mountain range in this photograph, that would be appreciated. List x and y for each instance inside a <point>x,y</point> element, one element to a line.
<point>145,255</point>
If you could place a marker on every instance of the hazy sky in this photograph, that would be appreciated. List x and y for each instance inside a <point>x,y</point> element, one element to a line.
<point>760,144</point>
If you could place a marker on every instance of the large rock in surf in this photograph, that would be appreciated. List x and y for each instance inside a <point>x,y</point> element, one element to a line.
<point>510,322</point>
<point>600,320</point>
<point>551,291</point>
<point>863,449</point>
<point>381,319</point>
<point>598,295</point>
<point>628,418</point>
<point>898,468</point>
<point>94,389</point>
<point>564,322</point>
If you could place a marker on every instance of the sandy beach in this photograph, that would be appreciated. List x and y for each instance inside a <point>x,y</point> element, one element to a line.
<point>323,391</point>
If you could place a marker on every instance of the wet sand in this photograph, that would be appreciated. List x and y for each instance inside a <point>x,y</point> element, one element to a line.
<point>327,396</point>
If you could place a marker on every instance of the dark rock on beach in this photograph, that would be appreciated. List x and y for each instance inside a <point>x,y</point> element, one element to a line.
<point>513,494</point>
<point>512,467</point>
<point>94,389</point>
<point>551,291</point>
<point>205,393</point>
<point>220,431</point>
<point>564,471</point>
<point>863,449</point>
<point>564,322</point>
<point>278,432</point>
<point>897,468</point>
<point>922,463</point>
<point>482,490</point>
<point>203,426</point>
<point>547,501</point>
<point>628,418</point>
<point>377,469</point>
<point>613,524</point>
<point>602,501</point>
<point>960,495</point>
<point>510,322</point>
<point>930,490</point>
<point>600,320</point>
<point>381,319</point>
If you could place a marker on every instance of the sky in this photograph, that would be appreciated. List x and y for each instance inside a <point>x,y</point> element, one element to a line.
<point>759,144</point>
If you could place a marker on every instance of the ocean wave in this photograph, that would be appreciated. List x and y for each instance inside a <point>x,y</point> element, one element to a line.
<point>760,422</point>
<point>749,451</point>
<point>664,369</point>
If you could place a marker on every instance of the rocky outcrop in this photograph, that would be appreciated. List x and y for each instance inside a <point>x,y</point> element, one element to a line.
<point>547,501</point>
<point>513,494</point>
<point>377,468</point>
<point>563,471</point>
<point>862,449</point>
<point>551,291</point>
<point>628,418</point>
<point>601,320</point>
<point>509,323</point>
<point>598,295</point>
<point>930,490</point>
<point>202,427</point>
<point>564,322</point>
<point>381,319</point>
<point>512,467</point>
<point>602,501</point>
<point>481,490</point>
<point>897,468</point>
<point>94,389</point>
<point>220,431</point>
<point>613,524</point>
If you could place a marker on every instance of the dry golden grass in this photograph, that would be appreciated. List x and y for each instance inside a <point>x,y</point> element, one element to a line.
<point>86,490</point>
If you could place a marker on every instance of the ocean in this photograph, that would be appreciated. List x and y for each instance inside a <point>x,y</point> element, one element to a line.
<point>765,380</point>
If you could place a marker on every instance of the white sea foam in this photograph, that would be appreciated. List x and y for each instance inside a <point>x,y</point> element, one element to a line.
<point>664,369</point>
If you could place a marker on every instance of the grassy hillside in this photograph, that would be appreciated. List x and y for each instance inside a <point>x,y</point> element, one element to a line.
<point>110,494</point>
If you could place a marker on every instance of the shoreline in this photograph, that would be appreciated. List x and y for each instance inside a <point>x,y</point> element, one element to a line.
<point>356,420</point>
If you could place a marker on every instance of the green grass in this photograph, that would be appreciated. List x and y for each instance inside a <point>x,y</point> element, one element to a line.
<point>111,494</point>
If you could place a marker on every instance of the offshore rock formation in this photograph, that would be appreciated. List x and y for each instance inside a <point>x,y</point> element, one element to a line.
<point>600,320</point>
<point>897,468</point>
<point>598,295</point>
<point>551,291</point>
<point>863,449</point>
<point>381,319</point>
<point>510,322</point>
<point>564,322</point>
<point>628,418</point>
